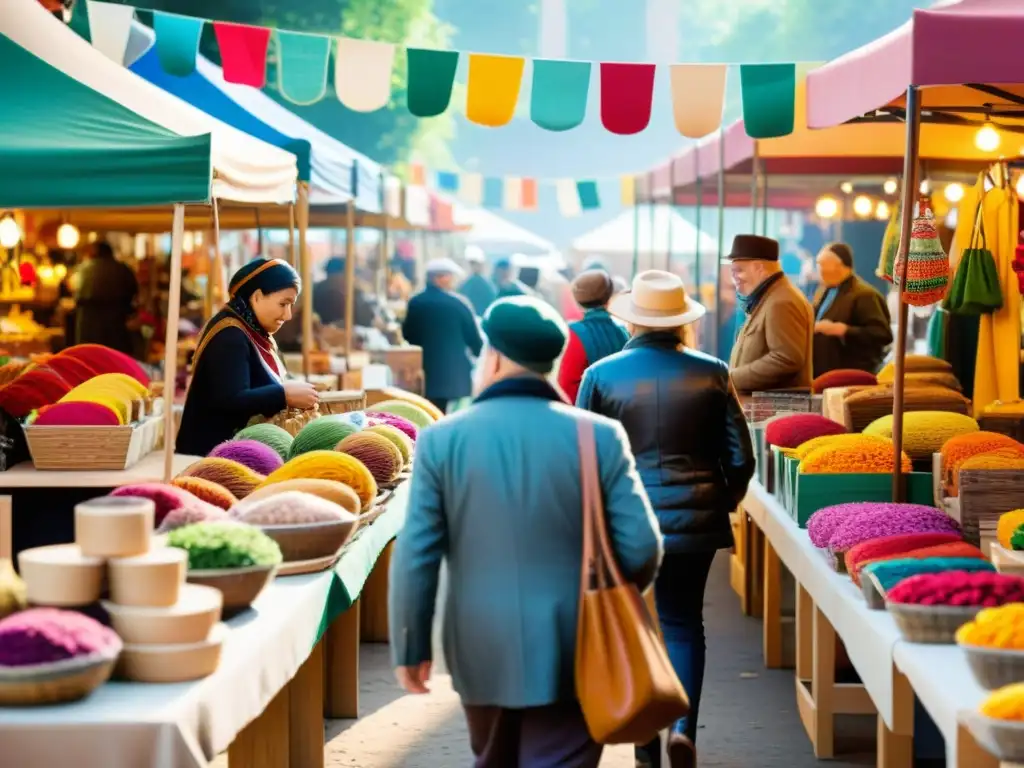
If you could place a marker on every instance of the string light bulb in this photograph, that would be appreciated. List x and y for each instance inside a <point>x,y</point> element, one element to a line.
<point>68,236</point>
<point>882,211</point>
<point>862,206</point>
<point>925,188</point>
<point>890,186</point>
<point>846,187</point>
<point>10,232</point>
<point>1020,185</point>
<point>954,192</point>
<point>826,207</point>
<point>987,138</point>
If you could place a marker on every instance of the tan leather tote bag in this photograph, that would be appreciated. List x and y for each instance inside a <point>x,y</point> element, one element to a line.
<point>625,683</point>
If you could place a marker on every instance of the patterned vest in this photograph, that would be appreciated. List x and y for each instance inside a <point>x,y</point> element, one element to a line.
<point>600,335</point>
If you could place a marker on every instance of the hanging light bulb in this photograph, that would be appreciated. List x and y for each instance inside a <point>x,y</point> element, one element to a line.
<point>954,193</point>
<point>826,207</point>
<point>890,186</point>
<point>882,211</point>
<point>987,138</point>
<point>862,206</point>
<point>846,188</point>
<point>68,236</point>
<point>10,232</point>
<point>1020,185</point>
<point>925,188</point>
<point>61,271</point>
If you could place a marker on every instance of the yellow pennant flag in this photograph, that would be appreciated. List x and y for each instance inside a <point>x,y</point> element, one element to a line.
<point>493,88</point>
<point>627,190</point>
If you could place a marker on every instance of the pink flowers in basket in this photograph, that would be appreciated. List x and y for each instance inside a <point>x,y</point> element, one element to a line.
<point>958,588</point>
<point>842,526</point>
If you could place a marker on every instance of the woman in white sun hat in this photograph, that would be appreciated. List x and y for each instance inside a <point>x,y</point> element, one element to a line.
<point>694,456</point>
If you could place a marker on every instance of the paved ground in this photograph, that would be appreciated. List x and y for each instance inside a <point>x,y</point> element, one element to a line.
<point>749,717</point>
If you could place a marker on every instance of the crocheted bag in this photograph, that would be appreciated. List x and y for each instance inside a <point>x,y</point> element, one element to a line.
<point>890,244</point>
<point>927,263</point>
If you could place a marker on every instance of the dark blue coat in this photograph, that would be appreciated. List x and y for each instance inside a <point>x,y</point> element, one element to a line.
<point>480,292</point>
<point>443,324</point>
<point>230,385</point>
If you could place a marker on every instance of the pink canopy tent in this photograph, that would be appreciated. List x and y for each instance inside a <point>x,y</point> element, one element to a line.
<point>971,41</point>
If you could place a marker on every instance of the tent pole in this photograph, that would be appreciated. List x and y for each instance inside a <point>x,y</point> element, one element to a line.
<point>171,337</point>
<point>636,231</point>
<point>210,294</point>
<point>721,242</point>
<point>906,225</point>
<point>350,277</point>
<point>306,272</point>
<point>671,214</point>
<point>650,233</point>
<point>291,236</point>
<point>385,231</point>
<point>764,204</point>
<point>755,186</point>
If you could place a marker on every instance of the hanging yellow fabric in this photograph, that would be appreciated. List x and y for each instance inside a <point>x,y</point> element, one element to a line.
<point>493,89</point>
<point>997,373</point>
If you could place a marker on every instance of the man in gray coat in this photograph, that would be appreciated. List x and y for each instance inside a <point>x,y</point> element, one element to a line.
<point>496,494</point>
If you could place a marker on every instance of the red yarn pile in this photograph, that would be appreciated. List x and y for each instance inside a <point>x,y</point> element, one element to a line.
<point>887,546</point>
<point>959,588</point>
<point>794,429</point>
<point>32,390</point>
<point>72,370</point>
<point>105,360</point>
<point>843,377</point>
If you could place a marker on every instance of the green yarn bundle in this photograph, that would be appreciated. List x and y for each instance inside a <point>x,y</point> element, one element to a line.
<point>270,435</point>
<point>407,411</point>
<point>322,435</point>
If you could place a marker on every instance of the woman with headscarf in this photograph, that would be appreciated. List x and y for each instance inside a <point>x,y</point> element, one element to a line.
<point>236,371</point>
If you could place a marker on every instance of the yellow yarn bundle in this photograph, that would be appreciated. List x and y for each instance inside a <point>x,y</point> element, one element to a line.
<point>329,465</point>
<point>1007,703</point>
<point>924,432</point>
<point>804,449</point>
<point>868,457</point>
<point>1008,524</point>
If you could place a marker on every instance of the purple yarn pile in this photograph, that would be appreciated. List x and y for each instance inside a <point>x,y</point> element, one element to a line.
<point>875,520</point>
<point>257,456</point>
<point>403,425</point>
<point>47,635</point>
<point>165,497</point>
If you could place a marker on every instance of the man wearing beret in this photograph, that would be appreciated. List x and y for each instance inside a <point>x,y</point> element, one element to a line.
<point>593,338</point>
<point>496,494</point>
<point>773,348</point>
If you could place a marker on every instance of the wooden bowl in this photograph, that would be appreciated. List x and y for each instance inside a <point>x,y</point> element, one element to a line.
<point>173,663</point>
<point>238,586</point>
<point>311,541</point>
<point>56,683</point>
<point>153,579</point>
<point>61,576</point>
<point>190,620</point>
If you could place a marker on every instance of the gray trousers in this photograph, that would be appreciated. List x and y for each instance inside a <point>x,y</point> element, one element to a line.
<point>554,736</point>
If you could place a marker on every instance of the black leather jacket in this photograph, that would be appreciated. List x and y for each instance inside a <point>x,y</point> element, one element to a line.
<point>687,431</point>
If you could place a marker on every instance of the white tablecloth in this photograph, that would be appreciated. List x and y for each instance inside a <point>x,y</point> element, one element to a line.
<point>182,725</point>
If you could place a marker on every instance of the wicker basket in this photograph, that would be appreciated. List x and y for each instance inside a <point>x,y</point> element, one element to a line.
<point>995,667</point>
<point>935,624</point>
<point>873,593</point>
<point>79,448</point>
<point>58,682</point>
<point>311,541</point>
<point>1004,739</point>
<point>343,401</point>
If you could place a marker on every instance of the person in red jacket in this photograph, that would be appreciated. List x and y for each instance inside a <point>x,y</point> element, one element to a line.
<point>596,336</point>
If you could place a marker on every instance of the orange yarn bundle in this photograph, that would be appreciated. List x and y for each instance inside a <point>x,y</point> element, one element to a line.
<point>207,490</point>
<point>960,448</point>
<point>867,456</point>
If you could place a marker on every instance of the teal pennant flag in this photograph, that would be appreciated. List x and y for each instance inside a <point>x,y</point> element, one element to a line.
<point>302,62</point>
<point>769,99</point>
<point>177,42</point>
<point>590,200</point>
<point>559,93</point>
<point>431,76</point>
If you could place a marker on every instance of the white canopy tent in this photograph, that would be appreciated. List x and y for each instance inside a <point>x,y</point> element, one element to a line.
<point>497,236</point>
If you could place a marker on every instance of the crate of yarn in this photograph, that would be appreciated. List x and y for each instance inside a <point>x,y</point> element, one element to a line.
<point>812,492</point>
<point>305,527</point>
<point>879,577</point>
<point>95,448</point>
<point>998,725</point>
<point>51,656</point>
<point>994,645</point>
<point>960,450</point>
<point>930,608</point>
<point>985,494</point>
<point>342,401</point>
<point>864,406</point>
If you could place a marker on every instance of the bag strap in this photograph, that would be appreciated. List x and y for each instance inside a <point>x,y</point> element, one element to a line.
<point>599,564</point>
<point>979,225</point>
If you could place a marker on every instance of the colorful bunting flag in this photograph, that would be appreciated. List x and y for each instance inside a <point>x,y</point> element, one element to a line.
<point>627,191</point>
<point>627,92</point>
<point>417,175</point>
<point>493,89</point>
<point>471,188</point>
<point>698,97</point>
<point>447,181</point>
<point>177,42</point>
<point>568,196</point>
<point>109,27</point>
<point>528,196</point>
<point>769,99</point>
<point>558,94</point>
<point>513,194</point>
<point>243,53</point>
<point>589,198</point>
<point>431,77</point>
<point>362,73</point>
<point>302,62</point>
<point>494,192</point>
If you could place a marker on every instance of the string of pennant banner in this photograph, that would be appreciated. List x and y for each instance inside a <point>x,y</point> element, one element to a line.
<point>560,89</point>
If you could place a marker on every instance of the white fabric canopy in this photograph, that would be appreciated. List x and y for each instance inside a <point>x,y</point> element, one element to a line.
<point>499,236</point>
<point>244,169</point>
<point>617,236</point>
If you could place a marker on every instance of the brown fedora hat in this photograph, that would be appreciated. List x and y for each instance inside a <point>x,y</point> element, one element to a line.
<point>657,300</point>
<point>754,248</point>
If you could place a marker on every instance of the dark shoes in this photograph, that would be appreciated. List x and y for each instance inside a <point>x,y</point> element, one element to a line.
<point>681,751</point>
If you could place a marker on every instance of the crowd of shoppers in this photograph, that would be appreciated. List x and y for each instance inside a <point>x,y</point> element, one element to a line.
<point>497,496</point>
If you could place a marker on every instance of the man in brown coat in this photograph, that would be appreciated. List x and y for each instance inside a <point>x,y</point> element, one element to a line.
<point>773,349</point>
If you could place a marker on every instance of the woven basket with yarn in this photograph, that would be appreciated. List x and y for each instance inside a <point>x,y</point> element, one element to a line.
<point>927,264</point>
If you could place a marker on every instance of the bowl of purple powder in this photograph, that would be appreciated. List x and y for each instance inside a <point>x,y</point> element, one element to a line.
<point>50,656</point>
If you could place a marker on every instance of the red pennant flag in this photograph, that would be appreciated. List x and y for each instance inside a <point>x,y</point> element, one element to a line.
<point>627,92</point>
<point>528,195</point>
<point>243,53</point>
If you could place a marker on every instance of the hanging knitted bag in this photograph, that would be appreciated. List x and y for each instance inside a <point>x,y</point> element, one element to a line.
<point>975,289</point>
<point>890,245</point>
<point>927,263</point>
